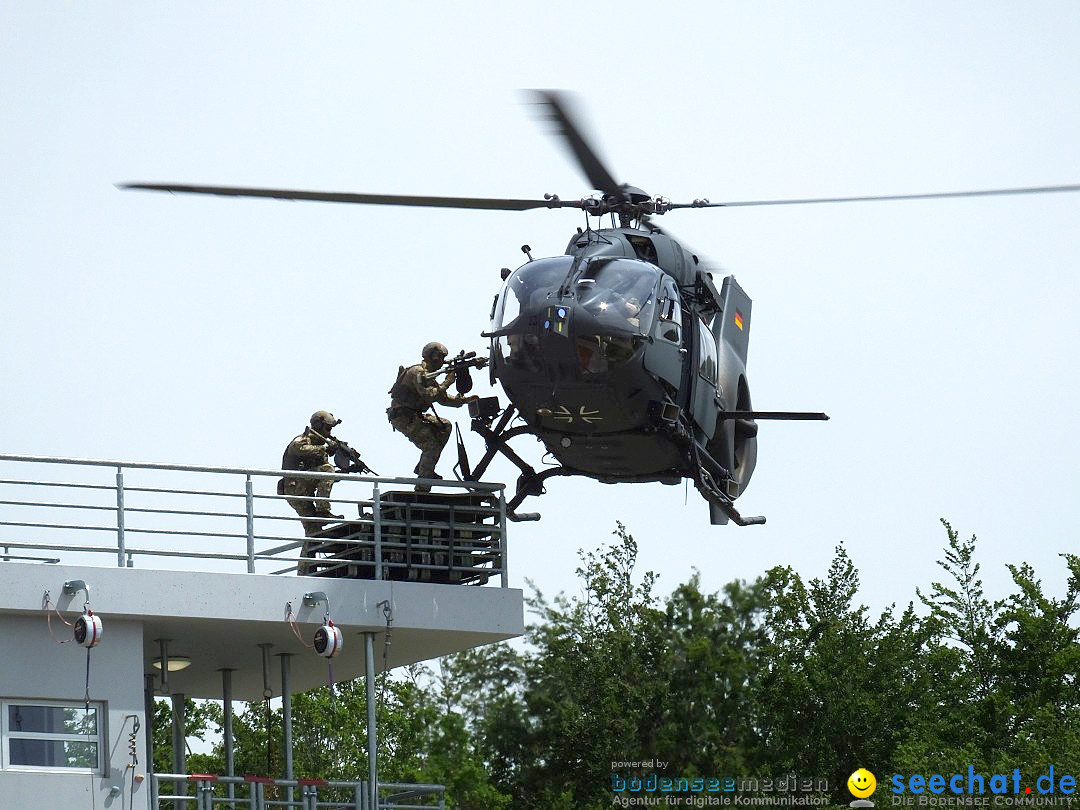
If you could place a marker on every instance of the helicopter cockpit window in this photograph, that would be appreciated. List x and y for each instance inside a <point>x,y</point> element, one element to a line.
<point>619,293</point>
<point>597,354</point>
<point>644,248</point>
<point>706,353</point>
<point>528,286</point>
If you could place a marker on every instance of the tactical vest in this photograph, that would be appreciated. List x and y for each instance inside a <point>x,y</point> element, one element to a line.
<point>404,395</point>
<point>291,460</point>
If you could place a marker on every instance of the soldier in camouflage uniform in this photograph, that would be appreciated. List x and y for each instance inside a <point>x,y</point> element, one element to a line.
<point>310,451</point>
<point>410,411</point>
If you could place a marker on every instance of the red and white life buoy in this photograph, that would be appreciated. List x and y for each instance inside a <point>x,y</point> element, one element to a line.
<point>328,640</point>
<point>87,630</point>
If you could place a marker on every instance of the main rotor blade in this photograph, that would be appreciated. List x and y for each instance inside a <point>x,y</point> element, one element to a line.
<point>556,106</point>
<point>364,199</point>
<point>995,192</point>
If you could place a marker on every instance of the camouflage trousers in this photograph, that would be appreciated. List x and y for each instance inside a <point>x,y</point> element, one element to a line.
<point>301,491</point>
<point>427,431</point>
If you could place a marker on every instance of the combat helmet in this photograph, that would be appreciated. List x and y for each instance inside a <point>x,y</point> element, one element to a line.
<point>433,347</point>
<point>324,417</point>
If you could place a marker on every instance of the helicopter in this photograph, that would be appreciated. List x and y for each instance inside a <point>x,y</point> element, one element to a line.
<point>624,356</point>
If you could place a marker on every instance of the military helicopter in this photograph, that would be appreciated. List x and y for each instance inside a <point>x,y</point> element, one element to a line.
<point>624,356</point>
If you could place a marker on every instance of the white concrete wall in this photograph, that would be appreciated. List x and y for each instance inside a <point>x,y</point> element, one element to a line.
<point>34,667</point>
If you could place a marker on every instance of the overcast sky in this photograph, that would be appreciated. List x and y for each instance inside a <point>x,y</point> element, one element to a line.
<point>941,337</point>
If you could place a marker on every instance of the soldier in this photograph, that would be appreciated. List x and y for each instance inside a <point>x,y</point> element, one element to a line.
<point>310,451</point>
<point>410,411</point>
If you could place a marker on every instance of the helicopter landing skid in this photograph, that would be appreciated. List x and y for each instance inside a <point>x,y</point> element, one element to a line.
<point>529,483</point>
<point>721,506</point>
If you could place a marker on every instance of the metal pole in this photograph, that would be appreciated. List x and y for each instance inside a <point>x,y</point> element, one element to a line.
<point>267,694</point>
<point>230,750</point>
<point>120,550</point>
<point>163,659</point>
<point>369,667</point>
<point>250,499</point>
<point>148,710</point>
<point>376,502</point>
<point>179,741</point>
<point>267,691</point>
<point>502,539</point>
<point>286,722</point>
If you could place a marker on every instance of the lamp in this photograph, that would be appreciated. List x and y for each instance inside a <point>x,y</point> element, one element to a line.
<point>176,663</point>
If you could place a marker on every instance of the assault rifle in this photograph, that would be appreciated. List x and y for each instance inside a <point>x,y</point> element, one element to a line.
<point>346,458</point>
<point>459,366</point>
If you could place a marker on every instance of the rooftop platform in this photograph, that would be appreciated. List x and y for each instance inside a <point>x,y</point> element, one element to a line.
<point>206,558</point>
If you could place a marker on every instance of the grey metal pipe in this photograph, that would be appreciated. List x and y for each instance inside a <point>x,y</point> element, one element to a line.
<point>249,498</point>
<point>144,465</point>
<point>179,741</point>
<point>163,659</point>
<point>265,647</point>
<point>369,667</point>
<point>148,710</point>
<point>376,519</point>
<point>505,581</point>
<point>227,722</point>
<point>120,551</point>
<point>286,720</point>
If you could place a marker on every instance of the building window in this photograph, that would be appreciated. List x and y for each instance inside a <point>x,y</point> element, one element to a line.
<point>50,735</point>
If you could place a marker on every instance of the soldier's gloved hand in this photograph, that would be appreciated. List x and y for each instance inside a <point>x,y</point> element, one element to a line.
<point>450,377</point>
<point>331,446</point>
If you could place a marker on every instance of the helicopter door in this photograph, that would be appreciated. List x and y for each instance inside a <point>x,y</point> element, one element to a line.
<point>704,378</point>
<point>664,355</point>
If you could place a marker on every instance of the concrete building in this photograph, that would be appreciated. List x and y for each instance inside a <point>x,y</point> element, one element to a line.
<point>171,575</point>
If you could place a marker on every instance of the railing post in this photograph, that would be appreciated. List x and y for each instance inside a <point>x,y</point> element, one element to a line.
<point>376,505</point>
<point>502,539</point>
<point>120,549</point>
<point>250,509</point>
<point>360,796</point>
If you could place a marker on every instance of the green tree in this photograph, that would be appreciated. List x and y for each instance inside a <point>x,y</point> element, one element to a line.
<point>200,719</point>
<point>594,694</point>
<point>714,645</point>
<point>835,690</point>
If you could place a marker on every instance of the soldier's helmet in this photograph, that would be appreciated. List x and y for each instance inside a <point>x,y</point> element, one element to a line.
<point>431,348</point>
<point>323,419</point>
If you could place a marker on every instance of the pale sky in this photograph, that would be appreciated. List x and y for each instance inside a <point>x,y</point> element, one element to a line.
<point>941,336</point>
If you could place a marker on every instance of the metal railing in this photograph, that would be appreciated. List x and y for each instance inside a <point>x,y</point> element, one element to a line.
<point>171,512</point>
<point>207,791</point>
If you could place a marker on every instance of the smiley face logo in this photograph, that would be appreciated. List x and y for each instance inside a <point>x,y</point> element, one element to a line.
<point>861,783</point>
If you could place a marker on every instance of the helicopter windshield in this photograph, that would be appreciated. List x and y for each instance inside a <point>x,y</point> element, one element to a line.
<point>528,287</point>
<point>619,293</point>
